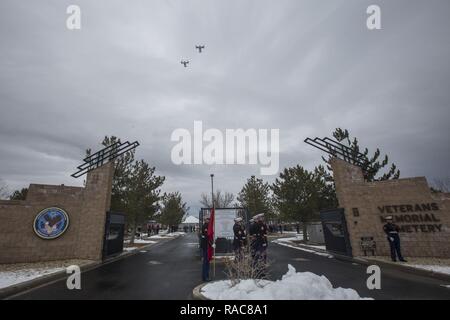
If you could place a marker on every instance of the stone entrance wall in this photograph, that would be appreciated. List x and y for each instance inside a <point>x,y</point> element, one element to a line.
<point>423,216</point>
<point>86,208</point>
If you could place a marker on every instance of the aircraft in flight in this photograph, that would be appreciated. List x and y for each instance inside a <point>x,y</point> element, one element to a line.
<point>200,48</point>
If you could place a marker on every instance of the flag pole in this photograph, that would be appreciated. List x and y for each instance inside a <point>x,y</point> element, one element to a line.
<point>214,242</point>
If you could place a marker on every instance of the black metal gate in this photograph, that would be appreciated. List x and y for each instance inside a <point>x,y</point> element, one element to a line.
<point>114,232</point>
<point>335,231</point>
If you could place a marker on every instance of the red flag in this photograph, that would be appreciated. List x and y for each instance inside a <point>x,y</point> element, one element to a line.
<point>211,235</point>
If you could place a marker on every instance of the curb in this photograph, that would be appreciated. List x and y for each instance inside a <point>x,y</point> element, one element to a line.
<point>222,259</point>
<point>197,292</point>
<point>22,287</point>
<point>368,261</point>
<point>409,269</point>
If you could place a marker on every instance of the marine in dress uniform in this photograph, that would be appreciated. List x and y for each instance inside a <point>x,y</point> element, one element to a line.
<point>259,238</point>
<point>393,238</point>
<point>240,237</point>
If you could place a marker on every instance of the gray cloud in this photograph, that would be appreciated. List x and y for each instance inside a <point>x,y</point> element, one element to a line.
<point>305,67</point>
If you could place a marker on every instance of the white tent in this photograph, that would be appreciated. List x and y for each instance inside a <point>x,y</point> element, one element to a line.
<point>189,222</point>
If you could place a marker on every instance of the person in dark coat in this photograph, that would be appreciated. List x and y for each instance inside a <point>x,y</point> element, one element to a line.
<point>204,247</point>
<point>393,238</point>
<point>149,230</point>
<point>252,232</point>
<point>240,237</point>
<point>262,237</point>
<point>259,239</point>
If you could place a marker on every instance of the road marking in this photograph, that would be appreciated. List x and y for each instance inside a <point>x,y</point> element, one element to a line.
<point>301,259</point>
<point>304,249</point>
<point>154,262</point>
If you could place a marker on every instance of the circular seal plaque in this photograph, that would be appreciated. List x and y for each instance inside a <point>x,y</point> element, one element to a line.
<point>50,223</point>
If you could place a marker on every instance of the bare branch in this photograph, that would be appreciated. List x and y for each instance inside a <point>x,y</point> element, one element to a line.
<point>246,266</point>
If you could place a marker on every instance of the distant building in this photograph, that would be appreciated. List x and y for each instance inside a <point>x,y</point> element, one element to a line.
<point>189,222</point>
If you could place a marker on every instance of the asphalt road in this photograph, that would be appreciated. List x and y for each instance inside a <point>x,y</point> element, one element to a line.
<point>170,270</point>
<point>395,284</point>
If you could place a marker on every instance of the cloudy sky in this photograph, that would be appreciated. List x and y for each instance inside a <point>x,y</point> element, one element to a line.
<point>304,67</point>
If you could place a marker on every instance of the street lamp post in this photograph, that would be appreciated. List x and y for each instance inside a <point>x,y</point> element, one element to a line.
<point>214,242</point>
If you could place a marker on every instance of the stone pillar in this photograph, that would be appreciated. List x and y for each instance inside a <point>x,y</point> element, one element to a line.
<point>96,202</point>
<point>345,177</point>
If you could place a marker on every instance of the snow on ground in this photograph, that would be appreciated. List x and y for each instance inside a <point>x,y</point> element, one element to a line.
<point>293,286</point>
<point>141,241</point>
<point>167,235</point>
<point>223,257</point>
<point>130,248</point>
<point>438,265</point>
<point>9,278</point>
<point>144,241</point>
<point>284,242</point>
<point>434,268</point>
<point>12,274</point>
<point>176,234</point>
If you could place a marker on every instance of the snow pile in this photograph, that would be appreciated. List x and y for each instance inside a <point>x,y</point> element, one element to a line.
<point>130,248</point>
<point>434,268</point>
<point>168,235</point>
<point>9,278</point>
<point>158,237</point>
<point>141,241</point>
<point>293,286</point>
<point>176,234</point>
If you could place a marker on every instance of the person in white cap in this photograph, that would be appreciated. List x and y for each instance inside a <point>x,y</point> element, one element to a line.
<point>239,237</point>
<point>259,239</point>
<point>253,230</point>
<point>393,238</point>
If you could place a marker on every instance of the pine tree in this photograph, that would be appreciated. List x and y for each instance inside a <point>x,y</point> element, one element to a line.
<point>256,197</point>
<point>299,194</point>
<point>141,194</point>
<point>173,209</point>
<point>371,164</point>
<point>122,170</point>
<point>19,194</point>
